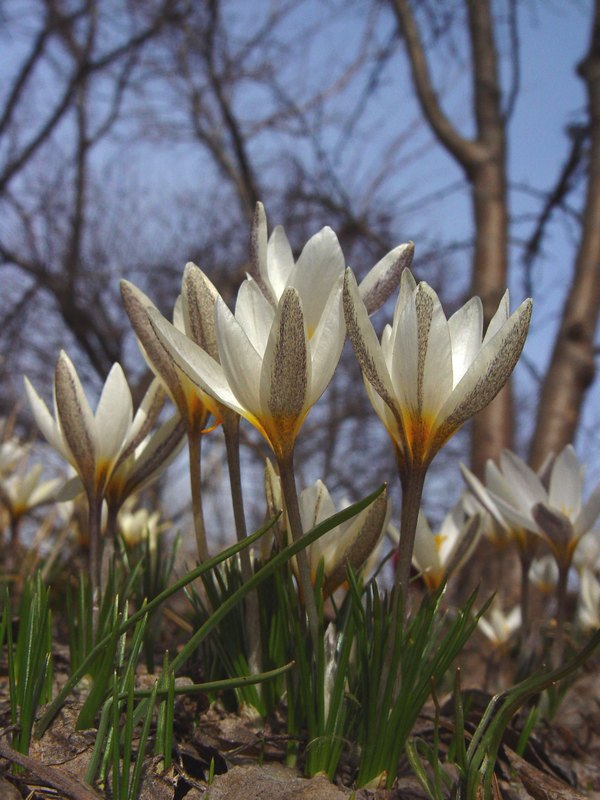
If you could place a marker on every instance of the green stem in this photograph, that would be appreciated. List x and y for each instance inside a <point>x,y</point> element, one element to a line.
<point>290,495</point>
<point>194,449</point>
<point>95,552</point>
<point>231,430</point>
<point>412,492</point>
<point>561,614</point>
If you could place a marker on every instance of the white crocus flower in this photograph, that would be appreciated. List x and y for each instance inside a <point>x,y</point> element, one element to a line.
<point>587,553</point>
<point>94,443</point>
<point>436,556</point>
<point>318,268</point>
<point>271,371</point>
<point>543,573</point>
<point>22,492</point>
<point>430,374</point>
<point>556,512</point>
<point>192,403</point>
<point>499,626</point>
<point>138,524</point>
<point>11,453</point>
<point>588,608</point>
<point>138,468</point>
<point>350,543</point>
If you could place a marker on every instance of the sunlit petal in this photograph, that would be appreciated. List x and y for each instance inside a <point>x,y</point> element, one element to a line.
<point>113,416</point>
<point>466,331</point>
<point>240,361</point>
<point>280,261</point>
<point>384,277</point>
<point>566,483</point>
<point>318,268</point>
<point>489,371</point>
<point>76,419</point>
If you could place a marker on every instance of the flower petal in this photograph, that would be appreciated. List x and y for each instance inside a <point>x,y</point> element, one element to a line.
<point>466,331</point>
<point>113,416</point>
<point>588,514</point>
<point>76,420</point>
<point>525,486</point>
<point>202,370</point>
<point>566,483</point>
<point>381,281</point>
<point>137,305</point>
<point>240,362</point>
<point>198,300</point>
<point>286,370</point>
<point>499,318</point>
<point>46,422</point>
<point>255,314</point>
<point>317,269</point>
<point>280,262</point>
<point>327,344</point>
<point>489,372</point>
<point>365,343</point>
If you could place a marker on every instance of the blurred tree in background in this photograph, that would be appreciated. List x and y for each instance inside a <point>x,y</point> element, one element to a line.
<point>135,136</point>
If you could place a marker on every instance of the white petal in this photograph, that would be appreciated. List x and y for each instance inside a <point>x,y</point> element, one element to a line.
<point>200,368</point>
<point>317,270</point>
<point>482,494</point>
<point>76,419</point>
<point>435,369</point>
<point>566,483</point>
<point>280,262</point>
<point>425,555</point>
<point>525,486</point>
<point>407,286</point>
<point>326,344</point>
<point>515,517</point>
<point>588,514</point>
<point>46,422</point>
<point>240,362</point>
<point>255,314</point>
<point>146,415</point>
<point>364,341</point>
<point>384,277</point>
<point>113,415</point>
<point>404,356</point>
<point>499,318</point>
<point>490,370</point>
<point>466,331</point>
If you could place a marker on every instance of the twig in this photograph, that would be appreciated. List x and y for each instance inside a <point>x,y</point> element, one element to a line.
<point>70,788</point>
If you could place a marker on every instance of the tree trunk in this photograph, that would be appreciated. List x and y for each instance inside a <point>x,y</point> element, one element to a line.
<point>572,367</point>
<point>483,160</point>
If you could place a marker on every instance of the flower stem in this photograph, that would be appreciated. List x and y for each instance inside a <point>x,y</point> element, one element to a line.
<point>290,495</point>
<point>412,492</point>
<point>231,429</point>
<point>561,613</point>
<point>95,552</point>
<point>194,449</point>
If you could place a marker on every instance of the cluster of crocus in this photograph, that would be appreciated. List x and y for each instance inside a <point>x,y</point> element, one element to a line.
<point>98,445</point>
<point>353,543</point>
<point>437,556</point>
<point>270,360</point>
<point>428,376</point>
<point>22,491</point>
<point>541,507</point>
